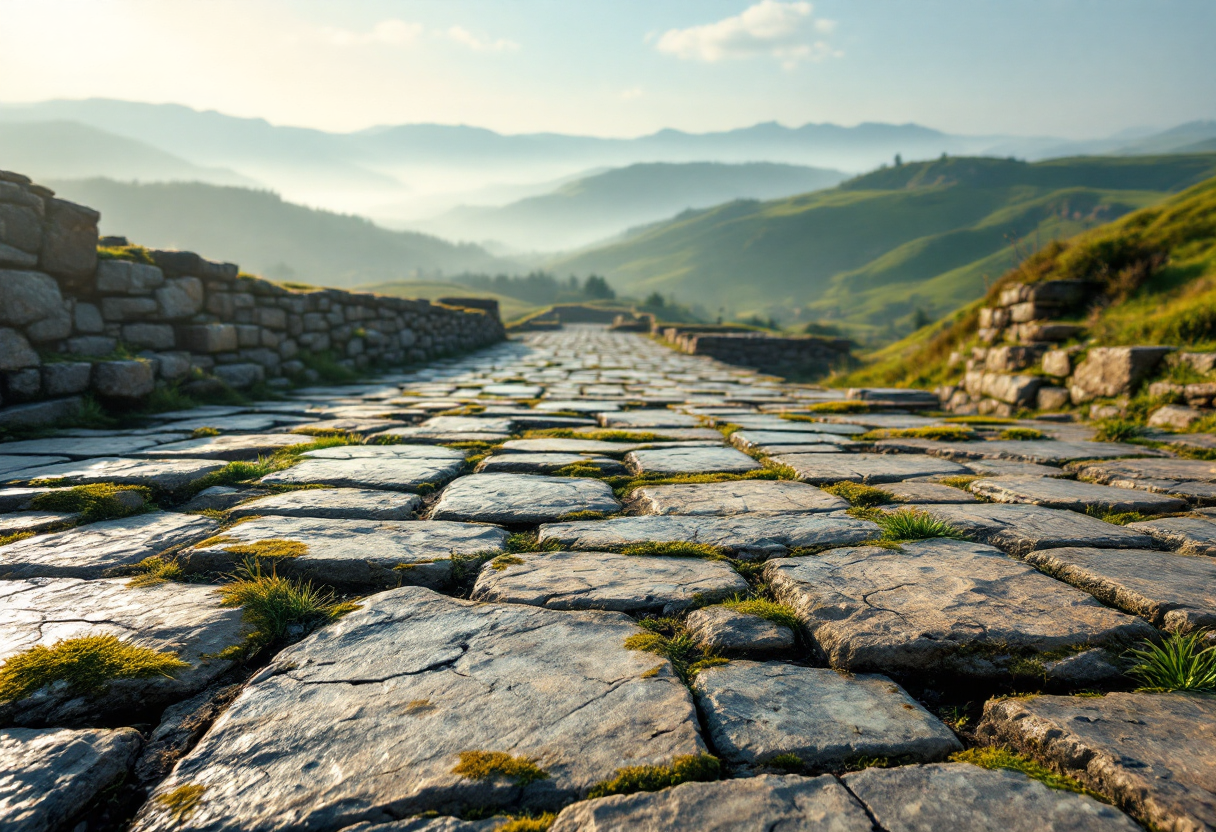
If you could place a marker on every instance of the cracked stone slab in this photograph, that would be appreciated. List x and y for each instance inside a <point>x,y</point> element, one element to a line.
<point>646,419</point>
<point>389,474</point>
<point>1115,472</point>
<point>775,424</point>
<point>755,711</point>
<point>110,547</point>
<point>522,498</point>
<point>927,492</point>
<point>74,447</point>
<point>517,463</point>
<point>753,804</point>
<point>19,499</point>
<point>1188,535</point>
<point>1154,753</point>
<point>334,503</point>
<point>1073,495</point>
<point>1011,468</point>
<point>185,619</point>
<point>1018,529</point>
<point>821,469</point>
<point>468,424</point>
<point>167,475</point>
<point>244,446</point>
<point>1041,451</point>
<point>725,630</point>
<point>607,581</point>
<point>674,461</point>
<point>1176,592</point>
<point>961,796</point>
<point>754,497</point>
<point>53,774</point>
<point>393,693</point>
<point>748,440</point>
<point>352,553</point>
<point>745,536</point>
<point>33,521</point>
<point>949,606</point>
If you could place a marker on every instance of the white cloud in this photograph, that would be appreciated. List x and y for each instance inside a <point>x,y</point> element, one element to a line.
<point>458,34</point>
<point>788,32</point>
<point>388,32</point>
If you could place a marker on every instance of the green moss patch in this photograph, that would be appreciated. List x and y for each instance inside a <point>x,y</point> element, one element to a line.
<point>101,501</point>
<point>962,482</point>
<point>1022,434</point>
<point>937,433</point>
<point>1116,430</point>
<point>599,435</point>
<point>181,802</point>
<point>156,570</point>
<point>484,765</point>
<point>6,539</point>
<point>1003,758</point>
<point>204,432</point>
<point>683,769</point>
<point>522,542</point>
<point>537,824</point>
<point>272,548</point>
<point>582,515</point>
<point>675,549</point>
<point>859,495</point>
<point>503,561</point>
<point>87,664</point>
<point>782,614</point>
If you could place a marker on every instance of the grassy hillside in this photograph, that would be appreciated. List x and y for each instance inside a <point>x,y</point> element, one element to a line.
<point>268,236</point>
<point>600,206</point>
<point>873,251</point>
<point>1155,283</point>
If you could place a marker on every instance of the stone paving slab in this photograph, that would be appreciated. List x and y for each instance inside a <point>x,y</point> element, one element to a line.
<point>752,804</point>
<point>334,503</point>
<point>1018,529</point>
<point>743,535</point>
<point>185,619</point>
<point>607,581</point>
<point>350,553</point>
<point>667,462</point>
<point>428,436</point>
<point>646,419</point>
<point>168,475</point>
<point>360,426</point>
<point>386,452</point>
<point>1011,468</point>
<point>468,424</point>
<point>85,447</point>
<point>395,474</point>
<point>1188,535</point>
<point>1155,754</point>
<point>246,446</point>
<point>1042,451</point>
<point>53,774</point>
<point>514,463</point>
<point>755,711</point>
<point>394,693</point>
<point>775,424</point>
<point>1112,473</point>
<point>522,498</point>
<point>34,521</point>
<point>1073,495</point>
<point>243,423</point>
<point>724,630</point>
<point>755,497</point>
<point>19,499</point>
<point>960,796</point>
<point>20,463</point>
<point>1177,592</point>
<point>666,434</point>
<point>950,607</point>
<point>913,492</point>
<point>593,446</point>
<point>110,547</point>
<point>753,439</point>
<point>821,469</point>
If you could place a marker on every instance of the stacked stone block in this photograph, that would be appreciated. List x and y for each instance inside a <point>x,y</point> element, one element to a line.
<point>71,323</point>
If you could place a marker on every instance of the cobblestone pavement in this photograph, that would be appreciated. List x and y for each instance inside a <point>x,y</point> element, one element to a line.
<point>584,575</point>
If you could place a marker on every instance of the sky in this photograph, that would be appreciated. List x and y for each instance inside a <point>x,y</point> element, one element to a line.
<point>1069,68</point>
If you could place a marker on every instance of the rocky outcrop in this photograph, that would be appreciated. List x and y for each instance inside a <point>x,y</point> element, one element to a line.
<point>136,319</point>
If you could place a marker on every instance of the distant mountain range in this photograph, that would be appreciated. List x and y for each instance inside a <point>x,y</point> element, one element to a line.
<point>600,206</point>
<point>270,237</point>
<point>417,171</point>
<point>884,250</point>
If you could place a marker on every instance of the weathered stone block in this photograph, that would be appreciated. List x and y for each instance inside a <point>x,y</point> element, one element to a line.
<point>208,338</point>
<point>123,380</point>
<point>180,297</point>
<point>20,227</point>
<point>1057,363</point>
<point>1051,398</point>
<point>188,263</point>
<point>69,241</point>
<point>1048,331</point>
<point>247,335</point>
<point>240,376</point>
<point>22,385</point>
<point>1114,371</point>
<point>28,297</point>
<point>172,366</point>
<point>126,278</point>
<point>66,378</point>
<point>1174,417</point>
<point>127,309</point>
<point>91,345</point>
<point>150,336</point>
<point>15,351</point>
<point>1011,389</point>
<point>272,317</point>
<point>1021,313</point>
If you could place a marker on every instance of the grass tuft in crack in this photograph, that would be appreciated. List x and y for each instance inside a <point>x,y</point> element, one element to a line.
<point>669,638</point>
<point>156,570</point>
<point>1180,662</point>
<point>684,769</point>
<point>675,549</point>
<point>1116,430</point>
<point>1022,434</point>
<point>858,495</point>
<point>87,664</point>
<point>782,614</point>
<point>524,542</point>
<point>275,605</point>
<point>909,524</point>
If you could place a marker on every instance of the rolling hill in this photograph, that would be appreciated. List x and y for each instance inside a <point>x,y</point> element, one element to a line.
<point>268,236</point>
<point>873,251</point>
<point>606,204</point>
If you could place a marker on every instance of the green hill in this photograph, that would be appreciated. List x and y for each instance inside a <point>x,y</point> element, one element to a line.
<point>1154,273</point>
<point>268,236</point>
<point>882,250</point>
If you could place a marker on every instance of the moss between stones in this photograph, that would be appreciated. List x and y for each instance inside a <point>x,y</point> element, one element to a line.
<point>1022,434</point>
<point>537,824</point>
<point>100,501</point>
<point>582,515</point>
<point>675,549</point>
<point>782,614</point>
<point>182,801</point>
<point>669,638</point>
<point>202,433</point>
<point>6,539</point>
<point>961,482</point>
<point>909,524</point>
<point>503,561</point>
<point>482,765</point>
<point>941,433</point>
<point>156,570</point>
<point>683,769</point>
<point>87,664</point>
<point>598,435</point>
<point>828,407</point>
<point>859,495</point>
<point>523,542</point>
<point>1003,758</point>
<point>787,762</point>
<point>272,548</point>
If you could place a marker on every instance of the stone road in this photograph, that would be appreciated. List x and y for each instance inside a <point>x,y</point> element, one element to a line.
<point>584,582</point>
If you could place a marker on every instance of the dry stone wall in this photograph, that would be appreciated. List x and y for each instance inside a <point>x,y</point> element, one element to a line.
<point>801,357</point>
<point>71,323</point>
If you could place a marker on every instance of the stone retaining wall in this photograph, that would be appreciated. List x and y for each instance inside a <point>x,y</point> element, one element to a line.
<point>71,323</point>
<point>799,357</point>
